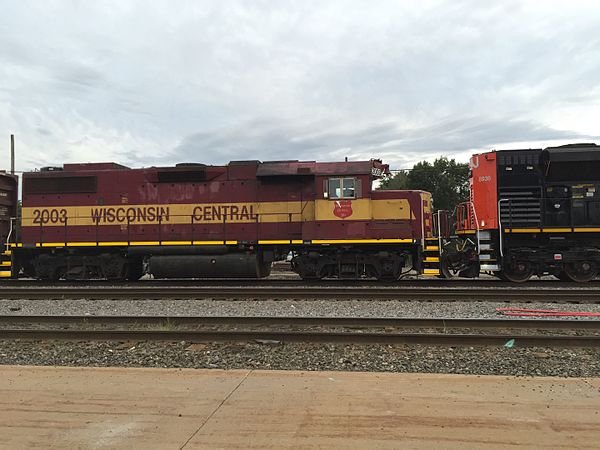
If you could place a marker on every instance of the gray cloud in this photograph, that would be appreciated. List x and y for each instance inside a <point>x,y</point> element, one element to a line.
<point>218,81</point>
<point>268,140</point>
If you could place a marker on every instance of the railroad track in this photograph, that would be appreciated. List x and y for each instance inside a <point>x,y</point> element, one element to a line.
<point>403,293</point>
<point>356,330</point>
<point>297,282</point>
<point>305,321</point>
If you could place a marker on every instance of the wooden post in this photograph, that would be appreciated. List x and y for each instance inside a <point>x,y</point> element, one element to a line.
<point>12,154</point>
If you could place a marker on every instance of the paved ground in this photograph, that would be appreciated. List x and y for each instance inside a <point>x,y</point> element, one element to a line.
<point>44,407</point>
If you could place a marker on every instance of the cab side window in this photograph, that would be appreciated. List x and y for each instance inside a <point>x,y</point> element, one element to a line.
<point>341,188</point>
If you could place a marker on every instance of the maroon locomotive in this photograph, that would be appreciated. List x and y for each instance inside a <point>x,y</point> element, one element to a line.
<point>104,220</point>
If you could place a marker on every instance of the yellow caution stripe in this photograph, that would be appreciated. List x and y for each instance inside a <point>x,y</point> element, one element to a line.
<point>228,242</point>
<point>125,243</point>
<point>553,230</point>
<point>431,272</point>
<point>431,259</point>
<point>361,241</point>
<point>279,241</point>
<point>5,274</point>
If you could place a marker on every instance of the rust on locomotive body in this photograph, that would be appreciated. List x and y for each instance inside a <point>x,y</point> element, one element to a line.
<point>270,198</point>
<point>258,211</point>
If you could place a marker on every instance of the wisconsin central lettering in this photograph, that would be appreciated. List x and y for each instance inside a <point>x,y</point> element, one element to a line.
<point>172,214</point>
<point>217,213</point>
<point>130,214</point>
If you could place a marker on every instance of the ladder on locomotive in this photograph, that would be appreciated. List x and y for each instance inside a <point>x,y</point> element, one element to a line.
<point>6,255</point>
<point>433,245</point>
<point>486,251</point>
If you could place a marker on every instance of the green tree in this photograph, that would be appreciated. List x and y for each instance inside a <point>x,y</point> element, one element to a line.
<point>398,181</point>
<point>447,180</point>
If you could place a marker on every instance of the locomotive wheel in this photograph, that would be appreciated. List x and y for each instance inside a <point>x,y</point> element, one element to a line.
<point>581,271</point>
<point>449,268</point>
<point>447,271</point>
<point>519,273</point>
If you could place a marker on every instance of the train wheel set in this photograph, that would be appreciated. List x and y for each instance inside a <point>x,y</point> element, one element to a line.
<point>531,212</point>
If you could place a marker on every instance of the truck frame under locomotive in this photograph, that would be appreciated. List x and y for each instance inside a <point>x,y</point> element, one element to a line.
<point>104,220</point>
<point>531,212</point>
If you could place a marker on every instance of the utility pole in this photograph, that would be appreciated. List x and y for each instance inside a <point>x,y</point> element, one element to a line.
<point>12,154</point>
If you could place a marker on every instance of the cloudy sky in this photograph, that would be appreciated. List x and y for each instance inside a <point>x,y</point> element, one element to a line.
<point>150,82</point>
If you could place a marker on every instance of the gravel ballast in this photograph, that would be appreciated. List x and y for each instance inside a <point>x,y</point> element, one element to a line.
<point>386,358</point>
<point>296,356</point>
<point>309,307</point>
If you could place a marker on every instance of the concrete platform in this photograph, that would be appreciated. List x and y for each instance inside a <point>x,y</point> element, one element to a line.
<point>44,407</point>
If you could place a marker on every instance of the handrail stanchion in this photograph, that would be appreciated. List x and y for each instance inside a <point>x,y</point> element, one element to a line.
<point>472,205</point>
<point>66,229</point>
<point>192,229</point>
<point>422,224</point>
<point>10,232</point>
<point>500,226</point>
<point>160,229</point>
<point>439,225</point>
<point>257,227</point>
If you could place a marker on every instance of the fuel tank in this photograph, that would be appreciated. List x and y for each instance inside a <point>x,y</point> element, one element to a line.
<point>230,265</point>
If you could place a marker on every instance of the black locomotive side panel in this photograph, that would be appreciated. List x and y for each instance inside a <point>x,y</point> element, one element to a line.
<point>550,212</point>
<point>572,185</point>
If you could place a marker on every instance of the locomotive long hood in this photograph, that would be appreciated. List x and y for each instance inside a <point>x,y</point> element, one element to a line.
<point>577,152</point>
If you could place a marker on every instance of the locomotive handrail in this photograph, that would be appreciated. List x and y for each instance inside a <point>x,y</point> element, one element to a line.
<point>10,231</point>
<point>65,225</point>
<point>422,225</point>
<point>476,226</point>
<point>439,227</point>
<point>471,216</point>
<point>500,238</point>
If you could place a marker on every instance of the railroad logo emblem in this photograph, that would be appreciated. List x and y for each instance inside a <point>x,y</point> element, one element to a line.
<point>474,162</point>
<point>343,208</point>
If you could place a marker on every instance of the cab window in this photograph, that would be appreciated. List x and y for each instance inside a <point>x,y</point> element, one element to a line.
<point>341,188</point>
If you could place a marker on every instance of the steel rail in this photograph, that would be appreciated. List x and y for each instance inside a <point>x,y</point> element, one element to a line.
<point>276,337</point>
<point>297,282</point>
<point>554,295</point>
<point>291,321</point>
